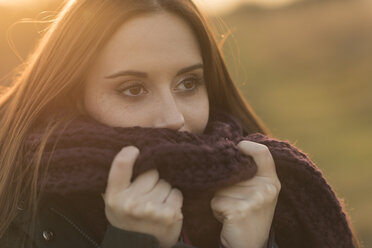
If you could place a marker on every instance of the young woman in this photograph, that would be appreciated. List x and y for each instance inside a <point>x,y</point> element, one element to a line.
<point>123,63</point>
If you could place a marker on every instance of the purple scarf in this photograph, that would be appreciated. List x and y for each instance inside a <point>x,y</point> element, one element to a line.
<point>308,213</point>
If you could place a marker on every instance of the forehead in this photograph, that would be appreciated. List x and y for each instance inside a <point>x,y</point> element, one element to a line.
<point>158,39</point>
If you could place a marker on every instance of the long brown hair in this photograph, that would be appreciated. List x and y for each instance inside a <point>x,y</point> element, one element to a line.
<point>52,78</point>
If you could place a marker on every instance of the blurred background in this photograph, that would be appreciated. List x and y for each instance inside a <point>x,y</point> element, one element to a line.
<point>305,66</point>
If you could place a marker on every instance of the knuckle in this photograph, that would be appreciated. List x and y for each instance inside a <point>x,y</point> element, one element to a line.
<point>260,199</point>
<point>278,185</point>
<point>168,215</point>
<point>111,203</point>
<point>271,189</point>
<point>178,215</point>
<point>178,193</point>
<point>240,211</point>
<point>165,214</point>
<point>216,204</point>
<point>108,200</point>
<point>243,207</point>
<point>129,205</point>
<point>149,208</point>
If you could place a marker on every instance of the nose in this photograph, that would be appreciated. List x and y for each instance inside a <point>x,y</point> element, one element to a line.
<point>168,114</point>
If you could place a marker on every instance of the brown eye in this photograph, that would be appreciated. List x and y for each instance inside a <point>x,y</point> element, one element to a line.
<point>190,84</point>
<point>136,89</point>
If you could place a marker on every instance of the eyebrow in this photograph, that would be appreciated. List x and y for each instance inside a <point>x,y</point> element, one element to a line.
<point>145,75</point>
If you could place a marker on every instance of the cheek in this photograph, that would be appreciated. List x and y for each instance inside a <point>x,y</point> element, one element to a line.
<point>96,105</point>
<point>110,109</point>
<point>102,107</point>
<point>203,116</point>
<point>198,113</point>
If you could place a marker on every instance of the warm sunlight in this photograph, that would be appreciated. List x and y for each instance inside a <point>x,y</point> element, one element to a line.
<point>226,5</point>
<point>15,2</point>
<point>209,5</point>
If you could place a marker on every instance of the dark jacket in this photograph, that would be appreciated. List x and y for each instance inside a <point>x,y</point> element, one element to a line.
<point>60,228</point>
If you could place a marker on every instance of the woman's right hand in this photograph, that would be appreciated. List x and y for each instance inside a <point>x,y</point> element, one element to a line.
<point>146,205</point>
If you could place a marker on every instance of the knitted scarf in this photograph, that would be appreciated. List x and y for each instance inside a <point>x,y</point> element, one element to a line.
<point>308,212</point>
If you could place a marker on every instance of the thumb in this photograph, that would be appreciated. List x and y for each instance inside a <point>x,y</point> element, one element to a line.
<point>121,170</point>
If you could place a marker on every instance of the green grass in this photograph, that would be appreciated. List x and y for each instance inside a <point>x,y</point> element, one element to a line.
<point>306,71</point>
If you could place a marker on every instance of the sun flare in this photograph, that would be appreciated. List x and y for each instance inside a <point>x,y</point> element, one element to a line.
<point>17,2</point>
<point>209,5</point>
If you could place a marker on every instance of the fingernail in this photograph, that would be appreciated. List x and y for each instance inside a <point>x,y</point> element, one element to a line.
<point>130,150</point>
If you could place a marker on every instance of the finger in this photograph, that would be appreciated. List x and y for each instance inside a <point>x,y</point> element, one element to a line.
<point>261,155</point>
<point>159,193</point>
<point>175,198</point>
<point>261,194</point>
<point>227,209</point>
<point>237,192</point>
<point>169,214</point>
<point>121,170</point>
<point>222,207</point>
<point>145,182</point>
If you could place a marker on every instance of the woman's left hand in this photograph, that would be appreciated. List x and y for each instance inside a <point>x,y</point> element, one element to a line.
<point>246,209</point>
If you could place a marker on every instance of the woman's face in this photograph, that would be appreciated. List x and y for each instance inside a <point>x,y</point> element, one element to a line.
<point>149,74</point>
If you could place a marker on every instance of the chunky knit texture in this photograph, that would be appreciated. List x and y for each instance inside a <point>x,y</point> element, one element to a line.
<point>308,212</point>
